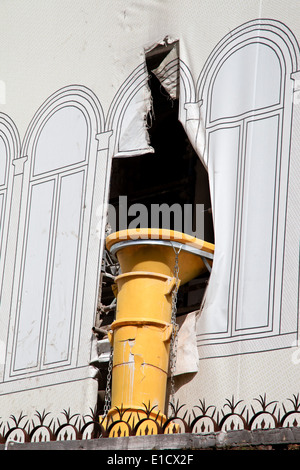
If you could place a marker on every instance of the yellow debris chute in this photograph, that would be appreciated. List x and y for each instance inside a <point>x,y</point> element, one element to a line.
<point>141,332</point>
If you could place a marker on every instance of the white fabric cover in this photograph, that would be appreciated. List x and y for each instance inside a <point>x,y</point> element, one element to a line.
<point>239,104</point>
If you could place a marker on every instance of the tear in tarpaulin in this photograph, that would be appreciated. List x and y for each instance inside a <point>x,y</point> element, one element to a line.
<point>163,61</point>
<point>168,73</point>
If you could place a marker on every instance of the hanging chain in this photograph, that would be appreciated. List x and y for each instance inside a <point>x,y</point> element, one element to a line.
<point>107,400</point>
<point>174,336</point>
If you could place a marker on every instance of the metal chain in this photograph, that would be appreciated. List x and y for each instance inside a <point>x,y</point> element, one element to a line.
<point>174,336</point>
<point>107,400</point>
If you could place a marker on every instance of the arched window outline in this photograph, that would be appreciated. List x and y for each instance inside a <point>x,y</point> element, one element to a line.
<point>83,99</point>
<point>10,136</point>
<point>277,36</point>
<point>225,57</point>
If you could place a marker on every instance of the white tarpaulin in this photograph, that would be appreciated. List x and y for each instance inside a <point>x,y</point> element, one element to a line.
<point>187,361</point>
<point>80,65</point>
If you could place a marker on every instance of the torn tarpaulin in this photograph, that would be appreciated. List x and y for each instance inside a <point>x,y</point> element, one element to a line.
<point>187,360</point>
<point>168,72</point>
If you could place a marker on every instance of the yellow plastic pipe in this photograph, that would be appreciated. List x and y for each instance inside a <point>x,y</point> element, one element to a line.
<point>142,330</point>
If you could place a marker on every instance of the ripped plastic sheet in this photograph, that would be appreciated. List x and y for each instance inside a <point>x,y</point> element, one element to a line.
<point>168,73</point>
<point>134,137</point>
<point>187,360</point>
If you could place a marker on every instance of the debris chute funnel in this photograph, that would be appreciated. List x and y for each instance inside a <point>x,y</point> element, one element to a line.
<point>141,332</point>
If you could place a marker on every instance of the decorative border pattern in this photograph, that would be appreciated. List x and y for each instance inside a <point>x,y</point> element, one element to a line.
<point>202,419</point>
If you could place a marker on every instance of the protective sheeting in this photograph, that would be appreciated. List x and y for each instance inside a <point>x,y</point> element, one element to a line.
<point>187,360</point>
<point>129,116</point>
<point>249,132</point>
<point>238,103</point>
